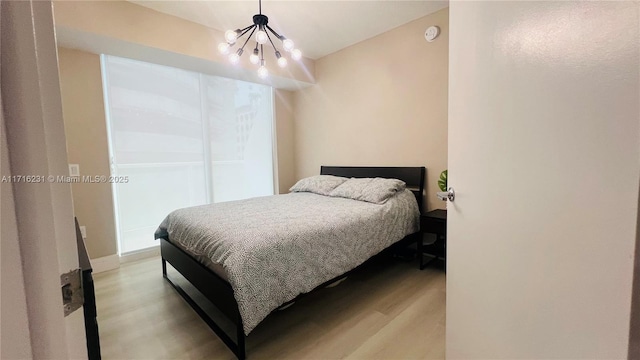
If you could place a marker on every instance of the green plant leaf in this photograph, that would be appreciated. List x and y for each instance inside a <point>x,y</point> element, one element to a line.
<point>442,182</point>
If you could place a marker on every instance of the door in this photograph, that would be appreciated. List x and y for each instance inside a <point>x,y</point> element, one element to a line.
<point>40,210</point>
<point>543,155</point>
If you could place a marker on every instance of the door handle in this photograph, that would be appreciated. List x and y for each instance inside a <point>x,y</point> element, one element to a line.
<point>450,195</point>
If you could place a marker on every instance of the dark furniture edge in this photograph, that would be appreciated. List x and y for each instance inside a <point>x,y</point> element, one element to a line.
<point>212,286</point>
<point>89,306</point>
<point>434,222</point>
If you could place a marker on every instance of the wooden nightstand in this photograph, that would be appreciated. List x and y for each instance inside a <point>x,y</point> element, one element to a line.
<point>434,222</point>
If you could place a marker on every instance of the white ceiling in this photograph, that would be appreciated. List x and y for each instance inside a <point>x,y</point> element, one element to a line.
<point>318,28</point>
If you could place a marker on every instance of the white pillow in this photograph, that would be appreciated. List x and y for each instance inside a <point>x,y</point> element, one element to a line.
<point>373,190</point>
<point>318,184</point>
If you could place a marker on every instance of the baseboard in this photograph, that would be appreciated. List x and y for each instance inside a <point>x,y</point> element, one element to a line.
<point>140,255</point>
<point>111,262</point>
<point>105,263</point>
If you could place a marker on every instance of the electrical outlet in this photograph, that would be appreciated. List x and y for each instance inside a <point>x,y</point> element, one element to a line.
<point>74,170</point>
<point>83,231</point>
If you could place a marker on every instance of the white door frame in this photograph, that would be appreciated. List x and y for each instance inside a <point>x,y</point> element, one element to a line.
<point>37,146</point>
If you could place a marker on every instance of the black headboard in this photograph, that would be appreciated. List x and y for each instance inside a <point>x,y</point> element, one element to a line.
<point>412,176</point>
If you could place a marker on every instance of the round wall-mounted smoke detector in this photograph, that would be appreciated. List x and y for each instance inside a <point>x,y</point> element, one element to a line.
<point>431,33</point>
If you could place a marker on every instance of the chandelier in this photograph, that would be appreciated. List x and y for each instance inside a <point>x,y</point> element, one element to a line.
<point>261,28</point>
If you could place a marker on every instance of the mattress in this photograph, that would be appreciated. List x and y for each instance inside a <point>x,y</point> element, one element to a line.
<point>271,249</point>
<point>218,269</point>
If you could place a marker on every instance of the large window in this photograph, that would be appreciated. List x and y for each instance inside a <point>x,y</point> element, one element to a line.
<point>182,139</point>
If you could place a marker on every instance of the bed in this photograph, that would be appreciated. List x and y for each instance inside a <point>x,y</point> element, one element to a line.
<point>261,254</point>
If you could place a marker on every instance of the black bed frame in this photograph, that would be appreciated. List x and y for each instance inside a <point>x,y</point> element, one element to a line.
<point>219,292</point>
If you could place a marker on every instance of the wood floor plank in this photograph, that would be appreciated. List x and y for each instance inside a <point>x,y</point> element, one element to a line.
<point>388,309</point>
<point>392,340</point>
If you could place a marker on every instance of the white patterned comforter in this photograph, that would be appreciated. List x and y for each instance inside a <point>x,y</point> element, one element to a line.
<point>276,247</point>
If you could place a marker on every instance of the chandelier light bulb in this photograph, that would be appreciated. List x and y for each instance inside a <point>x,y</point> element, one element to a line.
<point>231,36</point>
<point>261,37</point>
<point>288,45</point>
<point>296,54</point>
<point>223,48</point>
<point>263,72</point>
<point>255,59</point>
<point>282,62</point>
<point>234,58</point>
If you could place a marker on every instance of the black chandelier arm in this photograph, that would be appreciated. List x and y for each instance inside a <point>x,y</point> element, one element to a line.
<point>280,37</point>
<point>248,37</point>
<point>243,31</point>
<point>271,41</point>
<point>246,30</point>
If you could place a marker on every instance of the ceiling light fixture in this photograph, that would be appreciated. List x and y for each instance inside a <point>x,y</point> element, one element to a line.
<point>261,28</point>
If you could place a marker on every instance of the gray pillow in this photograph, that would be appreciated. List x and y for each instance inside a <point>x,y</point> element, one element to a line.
<point>319,184</point>
<point>373,190</point>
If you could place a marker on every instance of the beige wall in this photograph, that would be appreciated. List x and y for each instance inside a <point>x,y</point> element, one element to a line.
<point>86,131</point>
<point>285,142</point>
<point>381,102</point>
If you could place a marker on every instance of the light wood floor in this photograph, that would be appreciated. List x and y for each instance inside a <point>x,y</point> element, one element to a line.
<point>386,310</point>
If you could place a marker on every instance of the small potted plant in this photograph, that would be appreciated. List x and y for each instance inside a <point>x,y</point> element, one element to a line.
<point>445,193</point>
<point>442,182</point>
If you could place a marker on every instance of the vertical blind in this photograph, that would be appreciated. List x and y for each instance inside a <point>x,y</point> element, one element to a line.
<point>182,139</point>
